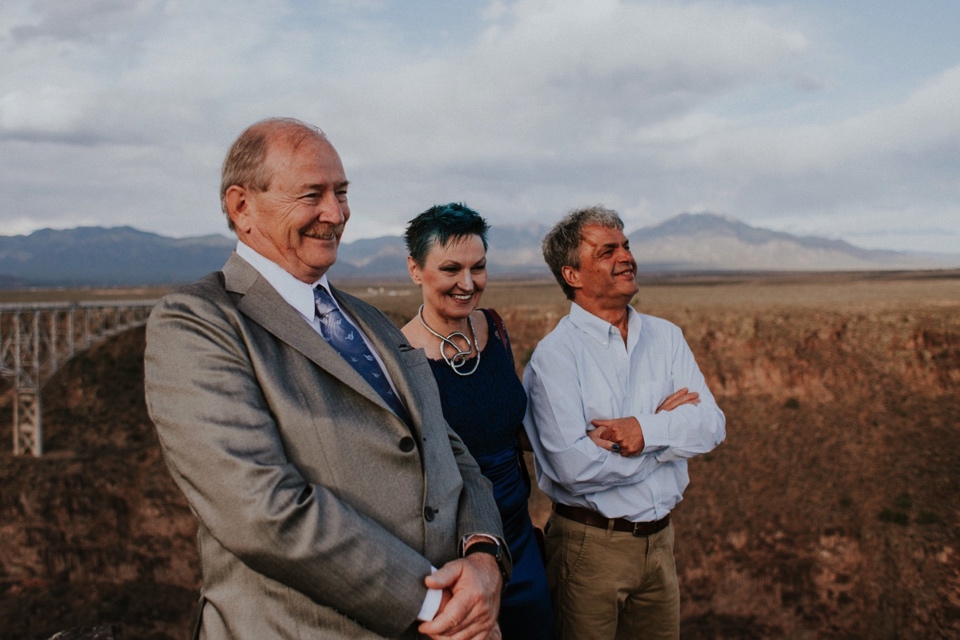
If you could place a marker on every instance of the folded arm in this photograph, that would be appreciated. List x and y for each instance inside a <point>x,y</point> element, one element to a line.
<point>558,430</point>
<point>624,435</point>
<point>693,426</point>
<point>680,425</point>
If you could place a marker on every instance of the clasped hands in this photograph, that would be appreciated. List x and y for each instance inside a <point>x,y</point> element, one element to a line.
<point>624,435</point>
<point>471,599</point>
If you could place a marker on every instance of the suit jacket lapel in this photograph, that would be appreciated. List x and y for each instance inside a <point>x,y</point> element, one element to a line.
<point>261,303</point>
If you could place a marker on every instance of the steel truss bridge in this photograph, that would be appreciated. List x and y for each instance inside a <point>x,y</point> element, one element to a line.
<point>37,338</point>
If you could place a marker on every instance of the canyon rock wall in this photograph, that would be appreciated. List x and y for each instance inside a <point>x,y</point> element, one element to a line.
<point>829,512</point>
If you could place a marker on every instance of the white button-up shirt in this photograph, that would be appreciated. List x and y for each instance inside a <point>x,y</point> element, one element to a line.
<point>583,371</point>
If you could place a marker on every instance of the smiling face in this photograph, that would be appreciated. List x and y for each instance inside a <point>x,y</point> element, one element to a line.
<point>607,277</point>
<point>452,278</point>
<point>298,220</point>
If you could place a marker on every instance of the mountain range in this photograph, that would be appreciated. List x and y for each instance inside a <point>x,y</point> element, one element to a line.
<point>124,256</point>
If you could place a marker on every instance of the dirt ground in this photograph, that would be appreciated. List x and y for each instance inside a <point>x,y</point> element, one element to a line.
<point>829,512</point>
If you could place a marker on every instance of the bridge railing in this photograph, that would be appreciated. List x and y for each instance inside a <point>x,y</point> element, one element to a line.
<point>37,338</point>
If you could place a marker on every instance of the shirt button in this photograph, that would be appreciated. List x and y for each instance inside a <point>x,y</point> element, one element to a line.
<point>429,513</point>
<point>406,444</point>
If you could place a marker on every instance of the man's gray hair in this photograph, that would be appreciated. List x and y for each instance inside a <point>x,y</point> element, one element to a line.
<point>245,164</point>
<point>561,246</point>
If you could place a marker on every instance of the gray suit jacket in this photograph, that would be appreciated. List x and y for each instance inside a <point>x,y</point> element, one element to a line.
<point>320,511</point>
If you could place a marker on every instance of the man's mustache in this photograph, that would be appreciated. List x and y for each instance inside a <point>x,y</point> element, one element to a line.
<point>325,231</point>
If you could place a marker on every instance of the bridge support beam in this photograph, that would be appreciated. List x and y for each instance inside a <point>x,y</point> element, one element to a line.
<point>36,339</point>
<point>27,423</point>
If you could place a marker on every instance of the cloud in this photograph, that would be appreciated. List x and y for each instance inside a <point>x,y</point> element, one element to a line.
<point>924,120</point>
<point>547,107</point>
<point>539,79</point>
<point>82,20</point>
<point>891,163</point>
<point>545,78</point>
<point>121,111</point>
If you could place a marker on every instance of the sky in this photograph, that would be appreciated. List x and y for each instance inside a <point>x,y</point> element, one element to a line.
<point>819,118</point>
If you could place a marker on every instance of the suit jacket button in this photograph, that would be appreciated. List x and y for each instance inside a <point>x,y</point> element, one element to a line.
<point>406,444</point>
<point>429,513</point>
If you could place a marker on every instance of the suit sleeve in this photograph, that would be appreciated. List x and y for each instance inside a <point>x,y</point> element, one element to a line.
<point>225,451</point>
<point>477,511</point>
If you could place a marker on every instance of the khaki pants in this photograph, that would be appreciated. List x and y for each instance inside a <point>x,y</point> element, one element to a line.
<point>611,585</point>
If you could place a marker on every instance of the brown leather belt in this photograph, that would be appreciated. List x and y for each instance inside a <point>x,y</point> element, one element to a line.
<point>594,519</point>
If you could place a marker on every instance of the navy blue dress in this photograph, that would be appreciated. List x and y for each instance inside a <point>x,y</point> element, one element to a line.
<point>486,410</point>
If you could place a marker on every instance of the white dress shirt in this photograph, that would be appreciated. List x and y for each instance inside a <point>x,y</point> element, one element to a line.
<point>299,295</point>
<point>583,371</point>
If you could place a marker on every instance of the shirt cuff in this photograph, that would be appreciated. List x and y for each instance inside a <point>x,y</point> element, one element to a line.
<point>431,603</point>
<point>470,538</point>
<point>656,432</point>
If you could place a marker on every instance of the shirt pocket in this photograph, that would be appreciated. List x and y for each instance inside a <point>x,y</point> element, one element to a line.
<point>647,396</point>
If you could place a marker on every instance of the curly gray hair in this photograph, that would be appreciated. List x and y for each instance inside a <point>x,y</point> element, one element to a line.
<point>561,245</point>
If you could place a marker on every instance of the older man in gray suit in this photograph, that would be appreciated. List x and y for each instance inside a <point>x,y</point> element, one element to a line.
<point>333,500</point>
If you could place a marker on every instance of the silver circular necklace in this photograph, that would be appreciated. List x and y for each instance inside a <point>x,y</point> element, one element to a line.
<point>459,359</point>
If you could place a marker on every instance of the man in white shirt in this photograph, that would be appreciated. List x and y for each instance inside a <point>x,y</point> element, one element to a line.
<point>617,406</point>
<point>307,435</point>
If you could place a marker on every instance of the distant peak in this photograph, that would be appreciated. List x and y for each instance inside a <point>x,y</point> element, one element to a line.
<point>699,223</point>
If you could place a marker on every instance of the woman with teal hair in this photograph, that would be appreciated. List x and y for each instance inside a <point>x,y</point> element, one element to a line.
<point>482,398</point>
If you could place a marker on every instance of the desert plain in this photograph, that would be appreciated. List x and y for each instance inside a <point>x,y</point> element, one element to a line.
<point>830,511</point>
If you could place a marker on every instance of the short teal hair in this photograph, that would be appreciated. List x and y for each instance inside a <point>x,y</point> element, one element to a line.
<point>440,224</point>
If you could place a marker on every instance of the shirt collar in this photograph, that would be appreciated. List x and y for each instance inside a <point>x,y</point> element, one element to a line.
<point>297,293</point>
<point>601,330</point>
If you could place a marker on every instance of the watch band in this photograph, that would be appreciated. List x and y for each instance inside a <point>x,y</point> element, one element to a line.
<point>494,549</point>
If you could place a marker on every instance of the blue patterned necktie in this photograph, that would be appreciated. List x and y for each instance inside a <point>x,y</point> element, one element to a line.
<point>346,340</point>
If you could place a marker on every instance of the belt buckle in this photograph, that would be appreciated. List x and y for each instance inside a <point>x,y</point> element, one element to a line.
<point>634,532</point>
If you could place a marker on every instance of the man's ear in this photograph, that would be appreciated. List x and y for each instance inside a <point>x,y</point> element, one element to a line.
<point>238,206</point>
<point>572,276</point>
<point>414,270</point>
